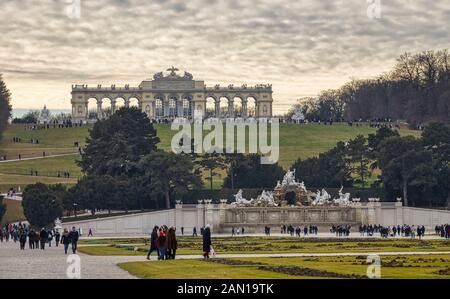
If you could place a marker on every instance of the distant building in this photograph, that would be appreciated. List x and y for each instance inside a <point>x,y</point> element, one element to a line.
<point>44,116</point>
<point>298,116</point>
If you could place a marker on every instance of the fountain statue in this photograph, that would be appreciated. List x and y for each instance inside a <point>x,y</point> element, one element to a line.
<point>344,198</point>
<point>240,200</point>
<point>266,199</point>
<point>322,198</point>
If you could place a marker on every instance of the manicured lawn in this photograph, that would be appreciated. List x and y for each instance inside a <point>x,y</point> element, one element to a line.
<point>14,211</point>
<point>8,180</point>
<point>253,245</point>
<point>45,167</point>
<point>392,267</point>
<point>194,269</point>
<point>296,141</point>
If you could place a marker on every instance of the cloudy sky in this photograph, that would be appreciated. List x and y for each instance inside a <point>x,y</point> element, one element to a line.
<point>300,46</point>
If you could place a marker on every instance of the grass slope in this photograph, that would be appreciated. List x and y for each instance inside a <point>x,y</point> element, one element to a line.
<point>296,141</point>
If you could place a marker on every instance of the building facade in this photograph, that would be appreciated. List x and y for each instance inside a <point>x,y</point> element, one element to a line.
<point>172,95</point>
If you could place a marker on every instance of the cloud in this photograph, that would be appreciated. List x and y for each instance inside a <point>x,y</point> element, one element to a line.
<point>301,47</point>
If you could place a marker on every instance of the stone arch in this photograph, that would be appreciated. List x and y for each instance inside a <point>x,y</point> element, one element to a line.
<point>92,105</point>
<point>251,106</point>
<point>134,102</point>
<point>238,105</point>
<point>106,107</point>
<point>185,106</point>
<point>224,104</point>
<point>159,106</point>
<point>119,102</point>
<point>172,103</point>
<point>210,106</point>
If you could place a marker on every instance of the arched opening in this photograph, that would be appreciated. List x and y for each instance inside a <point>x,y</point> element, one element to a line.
<point>223,107</point>
<point>237,107</point>
<point>92,112</point>
<point>159,108</point>
<point>134,102</point>
<point>120,102</point>
<point>290,198</point>
<point>185,107</point>
<point>106,108</point>
<point>251,107</point>
<point>172,106</point>
<point>210,107</point>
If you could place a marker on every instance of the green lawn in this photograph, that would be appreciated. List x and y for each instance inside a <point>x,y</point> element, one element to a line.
<point>240,245</point>
<point>14,211</point>
<point>296,141</point>
<point>392,267</point>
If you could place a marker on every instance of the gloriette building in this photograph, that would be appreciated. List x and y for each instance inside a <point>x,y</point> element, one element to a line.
<point>171,95</point>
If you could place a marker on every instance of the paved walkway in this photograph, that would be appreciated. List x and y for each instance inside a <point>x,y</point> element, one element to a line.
<point>51,262</point>
<point>40,157</point>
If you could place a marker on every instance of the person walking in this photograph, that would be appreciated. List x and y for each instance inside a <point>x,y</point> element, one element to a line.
<point>22,239</point>
<point>65,240</point>
<point>194,232</point>
<point>49,238</point>
<point>43,238</point>
<point>171,243</point>
<point>206,242</point>
<point>90,234</point>
<point>31,239</point>
<point>57,238</point>
<point>161,244</point>
<point>73,237</point>
<point>153,238</point>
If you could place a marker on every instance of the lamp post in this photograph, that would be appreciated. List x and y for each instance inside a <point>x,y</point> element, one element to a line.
<point>75,209</point>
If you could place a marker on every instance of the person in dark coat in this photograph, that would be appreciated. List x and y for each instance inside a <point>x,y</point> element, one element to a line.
<point>65,240</point>
<point>206,242</point>
<point>153,238</point>
<point>73,237</point>
<point>22,239</point>
<point>31,238</point>
<point>171,244</point>
<point>43,238</point>
<point>57,238</point>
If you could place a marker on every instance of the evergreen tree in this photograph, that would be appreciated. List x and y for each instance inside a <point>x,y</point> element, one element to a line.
<point>5,106</point>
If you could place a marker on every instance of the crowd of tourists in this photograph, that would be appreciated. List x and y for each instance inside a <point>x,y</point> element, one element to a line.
<point>39,239</point>
<point>443,230</point>
<point>341,230</point>
<point>298,230</point>
<point>393,231</point>
<point>163,241</point>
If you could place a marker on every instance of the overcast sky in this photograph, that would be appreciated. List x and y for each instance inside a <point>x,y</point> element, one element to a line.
<point>301,46</point>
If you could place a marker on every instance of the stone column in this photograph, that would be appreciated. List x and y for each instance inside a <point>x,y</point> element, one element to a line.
<point>231,108</point>
<point>165,104</point>
<point>99,109</point>
<point>244,109</point>
<point>127,103</point>
<point>113,106</point>
<point>217,108</point>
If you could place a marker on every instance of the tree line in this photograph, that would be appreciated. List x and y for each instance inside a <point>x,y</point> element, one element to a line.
<point>124,169</point>
<point>417,90</point>
<point>5,106</point>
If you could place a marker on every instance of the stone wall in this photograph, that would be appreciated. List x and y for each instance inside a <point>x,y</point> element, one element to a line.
<point>223,217</point>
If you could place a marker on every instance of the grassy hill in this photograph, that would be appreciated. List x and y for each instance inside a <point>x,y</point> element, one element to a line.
<point>296,141</point>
